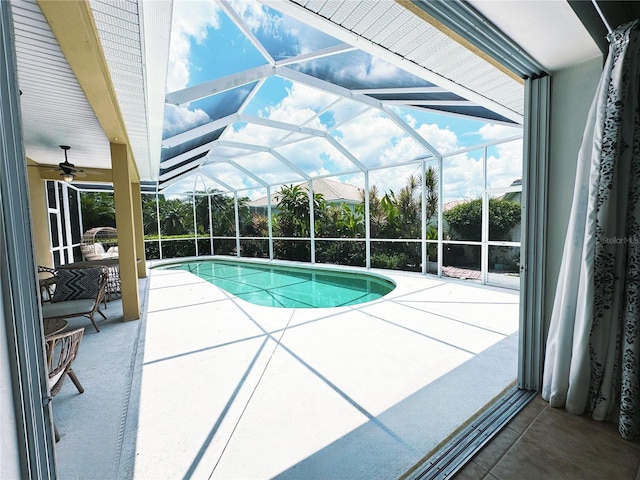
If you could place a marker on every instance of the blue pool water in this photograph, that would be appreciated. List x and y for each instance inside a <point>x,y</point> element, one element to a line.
<point>289,287</point>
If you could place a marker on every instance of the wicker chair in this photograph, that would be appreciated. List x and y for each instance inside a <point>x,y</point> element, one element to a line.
<point>62,349</point>
<point>47,280</point>
<point>78,292</point>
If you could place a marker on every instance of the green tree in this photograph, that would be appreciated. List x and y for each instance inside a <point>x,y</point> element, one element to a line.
<point>504,215</point>
<point>465,219</point>
<point>256,226</point>
<point>223,214</point>
<point>408,203</point>
<point>399,215</point>
<point>201,200</point>
<point>293,220</point>
<point>176,216</point>
<point>149,215</point>
<point>431,192</point>
<point>294,216</point>
<point>377,215</point>
<point>98,209</point>
<point>351,221</point>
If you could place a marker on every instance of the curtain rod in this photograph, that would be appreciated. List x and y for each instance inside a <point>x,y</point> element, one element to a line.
<point>602,17</point>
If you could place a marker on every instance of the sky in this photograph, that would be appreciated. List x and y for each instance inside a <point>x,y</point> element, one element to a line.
<point>206,44</point>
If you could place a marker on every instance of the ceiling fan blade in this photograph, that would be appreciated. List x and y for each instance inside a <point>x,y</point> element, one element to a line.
<point>92,172</point>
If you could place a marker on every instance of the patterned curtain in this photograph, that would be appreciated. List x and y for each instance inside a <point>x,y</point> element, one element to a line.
<point>592,362</point>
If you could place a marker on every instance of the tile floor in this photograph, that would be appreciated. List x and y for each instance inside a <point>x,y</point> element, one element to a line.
<point>544,443</point>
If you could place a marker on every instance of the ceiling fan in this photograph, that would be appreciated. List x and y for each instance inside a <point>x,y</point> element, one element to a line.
<point>68,171</point>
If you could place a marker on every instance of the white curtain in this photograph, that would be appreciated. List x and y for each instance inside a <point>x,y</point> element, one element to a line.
<point>592,362</point>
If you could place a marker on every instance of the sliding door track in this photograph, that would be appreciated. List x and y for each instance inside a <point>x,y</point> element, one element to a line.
<point>447,461</point>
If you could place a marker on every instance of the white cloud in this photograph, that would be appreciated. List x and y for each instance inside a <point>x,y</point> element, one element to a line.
<point>300,105</point>
<point>492,131</point>
<point>392,179</point>
<point>381,69</point>
<point>442,139</point>
<point>178,119</point>
<point>255,16</point>
<point>504,164</point>
<point>191,20</point>
<point>462,177</point>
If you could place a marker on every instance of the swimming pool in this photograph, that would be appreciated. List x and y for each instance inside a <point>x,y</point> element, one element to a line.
<point>289,287</point>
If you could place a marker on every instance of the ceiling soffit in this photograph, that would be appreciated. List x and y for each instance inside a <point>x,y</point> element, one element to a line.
<point>55,108</point>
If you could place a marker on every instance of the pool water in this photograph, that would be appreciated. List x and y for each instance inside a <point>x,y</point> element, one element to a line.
<point>289,287</point>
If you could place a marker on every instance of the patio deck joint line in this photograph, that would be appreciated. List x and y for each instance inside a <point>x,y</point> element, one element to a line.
<point>212,433</point>
<point>264,370</point>
<point>450,459</point>
<point>453,319</point>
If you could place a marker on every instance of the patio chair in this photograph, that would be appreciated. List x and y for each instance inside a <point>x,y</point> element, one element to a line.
<point>62,349</point>
<point>47,281</point>
<point>78,292</point>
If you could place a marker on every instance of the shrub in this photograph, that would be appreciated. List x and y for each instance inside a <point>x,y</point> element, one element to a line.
<point>389,262</point>
<point>465,219</point>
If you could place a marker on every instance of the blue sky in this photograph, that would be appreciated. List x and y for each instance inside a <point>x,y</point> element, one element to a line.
<point>206,45</point>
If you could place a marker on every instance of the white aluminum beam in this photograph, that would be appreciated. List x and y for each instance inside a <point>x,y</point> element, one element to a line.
<point>206,89</point>
<point>411,132</point>
<point>399,90</point>
<point>248,173</point>
<point>184,168</point>
<point>246,31</point>
<point>326,52</point>
<point>265,122</point>
<point>289,164</point>
<point>432,103</point>
<point>460,115</point>
<point>243,145</point>
<point>218,181</point>
<point>188,155</point>
<point>314,82</point>
<point>199,131</point>
<point>345,152</point>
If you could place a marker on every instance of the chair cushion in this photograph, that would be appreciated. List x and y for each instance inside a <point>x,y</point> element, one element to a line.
<point>69,308</point>
<point>75,284</point>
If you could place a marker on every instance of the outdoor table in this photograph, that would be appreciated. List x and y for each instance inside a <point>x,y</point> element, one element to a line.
<point>54,325</point>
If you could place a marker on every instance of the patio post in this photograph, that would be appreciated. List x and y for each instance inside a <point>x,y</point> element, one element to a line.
<point>122,196</point>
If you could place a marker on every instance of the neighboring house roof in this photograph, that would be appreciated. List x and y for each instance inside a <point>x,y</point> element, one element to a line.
<point>332,191</point>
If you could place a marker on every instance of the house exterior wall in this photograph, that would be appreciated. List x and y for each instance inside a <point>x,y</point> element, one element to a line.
<point>572,92</point>
<point>39,218</point>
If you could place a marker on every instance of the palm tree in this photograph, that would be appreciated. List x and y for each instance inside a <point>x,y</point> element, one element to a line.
<point>176,216</point>
<point>98,209</point>
<point>294,220</point>
<point>149,215</point>
<point>294,217</point>
<point>409,208</point>
<point>431,193</point>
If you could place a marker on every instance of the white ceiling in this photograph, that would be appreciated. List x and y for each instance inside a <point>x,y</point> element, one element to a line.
<point>546,29</point>
<point>54,108</point>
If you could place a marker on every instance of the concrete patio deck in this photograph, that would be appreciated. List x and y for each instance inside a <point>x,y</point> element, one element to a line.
<point>209,386</point>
